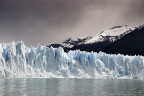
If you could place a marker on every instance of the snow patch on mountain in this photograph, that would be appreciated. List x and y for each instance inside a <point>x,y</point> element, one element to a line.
<point>112,34</point>
<point>70,42</point>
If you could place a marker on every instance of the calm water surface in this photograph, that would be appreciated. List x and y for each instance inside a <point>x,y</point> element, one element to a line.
<point>70,87</point>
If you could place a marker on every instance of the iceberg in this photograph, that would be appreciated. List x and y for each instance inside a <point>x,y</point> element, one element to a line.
<point>19,61</point>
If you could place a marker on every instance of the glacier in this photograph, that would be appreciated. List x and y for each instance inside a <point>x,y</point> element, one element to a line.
<point>19,61</point>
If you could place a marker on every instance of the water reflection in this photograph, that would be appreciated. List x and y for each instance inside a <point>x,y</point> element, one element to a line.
<point>70,87</point>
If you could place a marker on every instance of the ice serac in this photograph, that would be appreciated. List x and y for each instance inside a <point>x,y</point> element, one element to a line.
<point>20,61</point>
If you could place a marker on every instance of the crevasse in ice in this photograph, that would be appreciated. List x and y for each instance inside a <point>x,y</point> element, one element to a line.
<point>20,61</point>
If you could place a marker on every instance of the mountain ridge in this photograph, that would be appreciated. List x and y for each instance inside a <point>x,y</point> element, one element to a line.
<point>105,40</point>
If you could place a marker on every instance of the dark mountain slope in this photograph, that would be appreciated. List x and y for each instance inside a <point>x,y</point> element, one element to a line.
<point>95,43</point>
<point>123,39</point>
<point>130,44</point>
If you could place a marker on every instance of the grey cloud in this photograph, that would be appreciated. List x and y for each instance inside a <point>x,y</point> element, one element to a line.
<point>136,8</point>
<point>48,21</point>
<point>134,12</point>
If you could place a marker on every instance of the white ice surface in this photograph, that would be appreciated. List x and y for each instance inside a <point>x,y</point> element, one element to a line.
<point>20,61</point>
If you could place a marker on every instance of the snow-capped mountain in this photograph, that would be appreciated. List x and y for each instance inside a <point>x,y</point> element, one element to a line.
<point>70,42</point>
<point>131,44</point>
<point>95,43</point>
<point>111,35</point>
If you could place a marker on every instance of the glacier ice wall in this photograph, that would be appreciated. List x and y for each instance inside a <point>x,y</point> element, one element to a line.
<point>20,61</point>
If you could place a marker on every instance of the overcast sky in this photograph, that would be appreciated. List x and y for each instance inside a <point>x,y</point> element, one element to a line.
<point>49,21</point>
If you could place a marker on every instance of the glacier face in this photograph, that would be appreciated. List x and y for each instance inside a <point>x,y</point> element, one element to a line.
<point>20,61</point>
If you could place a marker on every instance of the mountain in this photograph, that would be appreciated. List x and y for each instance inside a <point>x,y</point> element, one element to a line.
<point>111,35</point>
<point>119,39</point>
<point>105,38</point>
<point>70,43</point>
<point>131,44</point>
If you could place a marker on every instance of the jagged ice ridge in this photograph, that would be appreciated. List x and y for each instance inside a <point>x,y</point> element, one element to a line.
<point>20,61</point>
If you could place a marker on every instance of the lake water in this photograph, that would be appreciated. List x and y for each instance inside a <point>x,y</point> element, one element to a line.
<point>70,87</point>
